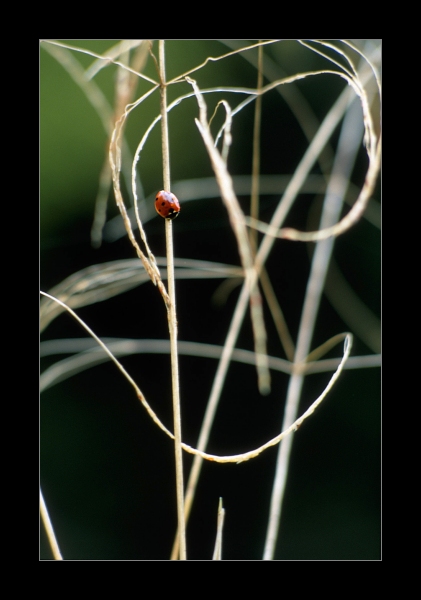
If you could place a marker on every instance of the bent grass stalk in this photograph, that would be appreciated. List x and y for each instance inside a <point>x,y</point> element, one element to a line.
<point>236,217</point>
<point>232,458</point>
<point>254,268</point>
<point>310,156</point>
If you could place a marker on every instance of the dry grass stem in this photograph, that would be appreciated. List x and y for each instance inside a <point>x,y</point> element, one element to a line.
<point>172,316</point>
<point>97,283</point>
<point>124,91</point>
<point>49,528</point>
<point>356,110</point>
<point>217,58</point>
<point>105,59</point>
<point>255,169</point>
<point>300,175</point>
<point>274,307</point>
<point>217,553</point>
<point>236,458</point>
<point>89,356</point>
<point>236,217</point>
<point>121,49</point>
<point>373,146</point>
<point>207,187</point>
<point>344,159</point>
<point>115,162</point>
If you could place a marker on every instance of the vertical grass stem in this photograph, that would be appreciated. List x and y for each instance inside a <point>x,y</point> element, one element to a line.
<point>172,319</point>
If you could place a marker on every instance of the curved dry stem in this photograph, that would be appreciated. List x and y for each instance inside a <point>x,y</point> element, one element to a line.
<point>301,173</point>
<point>368,61</point>
<point>264,249</point>
<point>145,138</point>
<point>139,393</point>
<point>374,153</point>
<point>207,187</point>
<point>245,456</point>
<point>236,219</point>
<point>274,85</point>
<point>134,187</point>
<point>339,228</point>
<point>115,162</point>
<point>235,458</point>
<point>351,73</point>
<point>125,87</point>
<point>354,215</point>
<point>297,102</point>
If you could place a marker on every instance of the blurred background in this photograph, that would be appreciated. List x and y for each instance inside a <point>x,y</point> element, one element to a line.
<point>106,471</point>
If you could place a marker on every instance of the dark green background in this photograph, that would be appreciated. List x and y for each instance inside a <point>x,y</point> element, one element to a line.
<point>106,471</point>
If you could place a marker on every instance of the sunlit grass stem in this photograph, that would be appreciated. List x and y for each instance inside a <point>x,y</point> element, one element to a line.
<point>172,318</point>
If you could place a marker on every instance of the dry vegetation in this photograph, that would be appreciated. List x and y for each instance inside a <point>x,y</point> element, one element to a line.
<point>258,332</point>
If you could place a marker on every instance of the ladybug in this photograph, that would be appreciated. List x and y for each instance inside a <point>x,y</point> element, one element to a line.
<point>167,205</point>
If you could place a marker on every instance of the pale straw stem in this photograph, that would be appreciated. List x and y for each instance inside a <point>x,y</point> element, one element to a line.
<point>349,142</point>
<point>49,528</point>
<point>172,319</point>
<point>325,130</point>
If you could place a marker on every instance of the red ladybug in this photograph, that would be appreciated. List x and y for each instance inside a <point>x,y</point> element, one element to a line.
<point>167,205</point>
